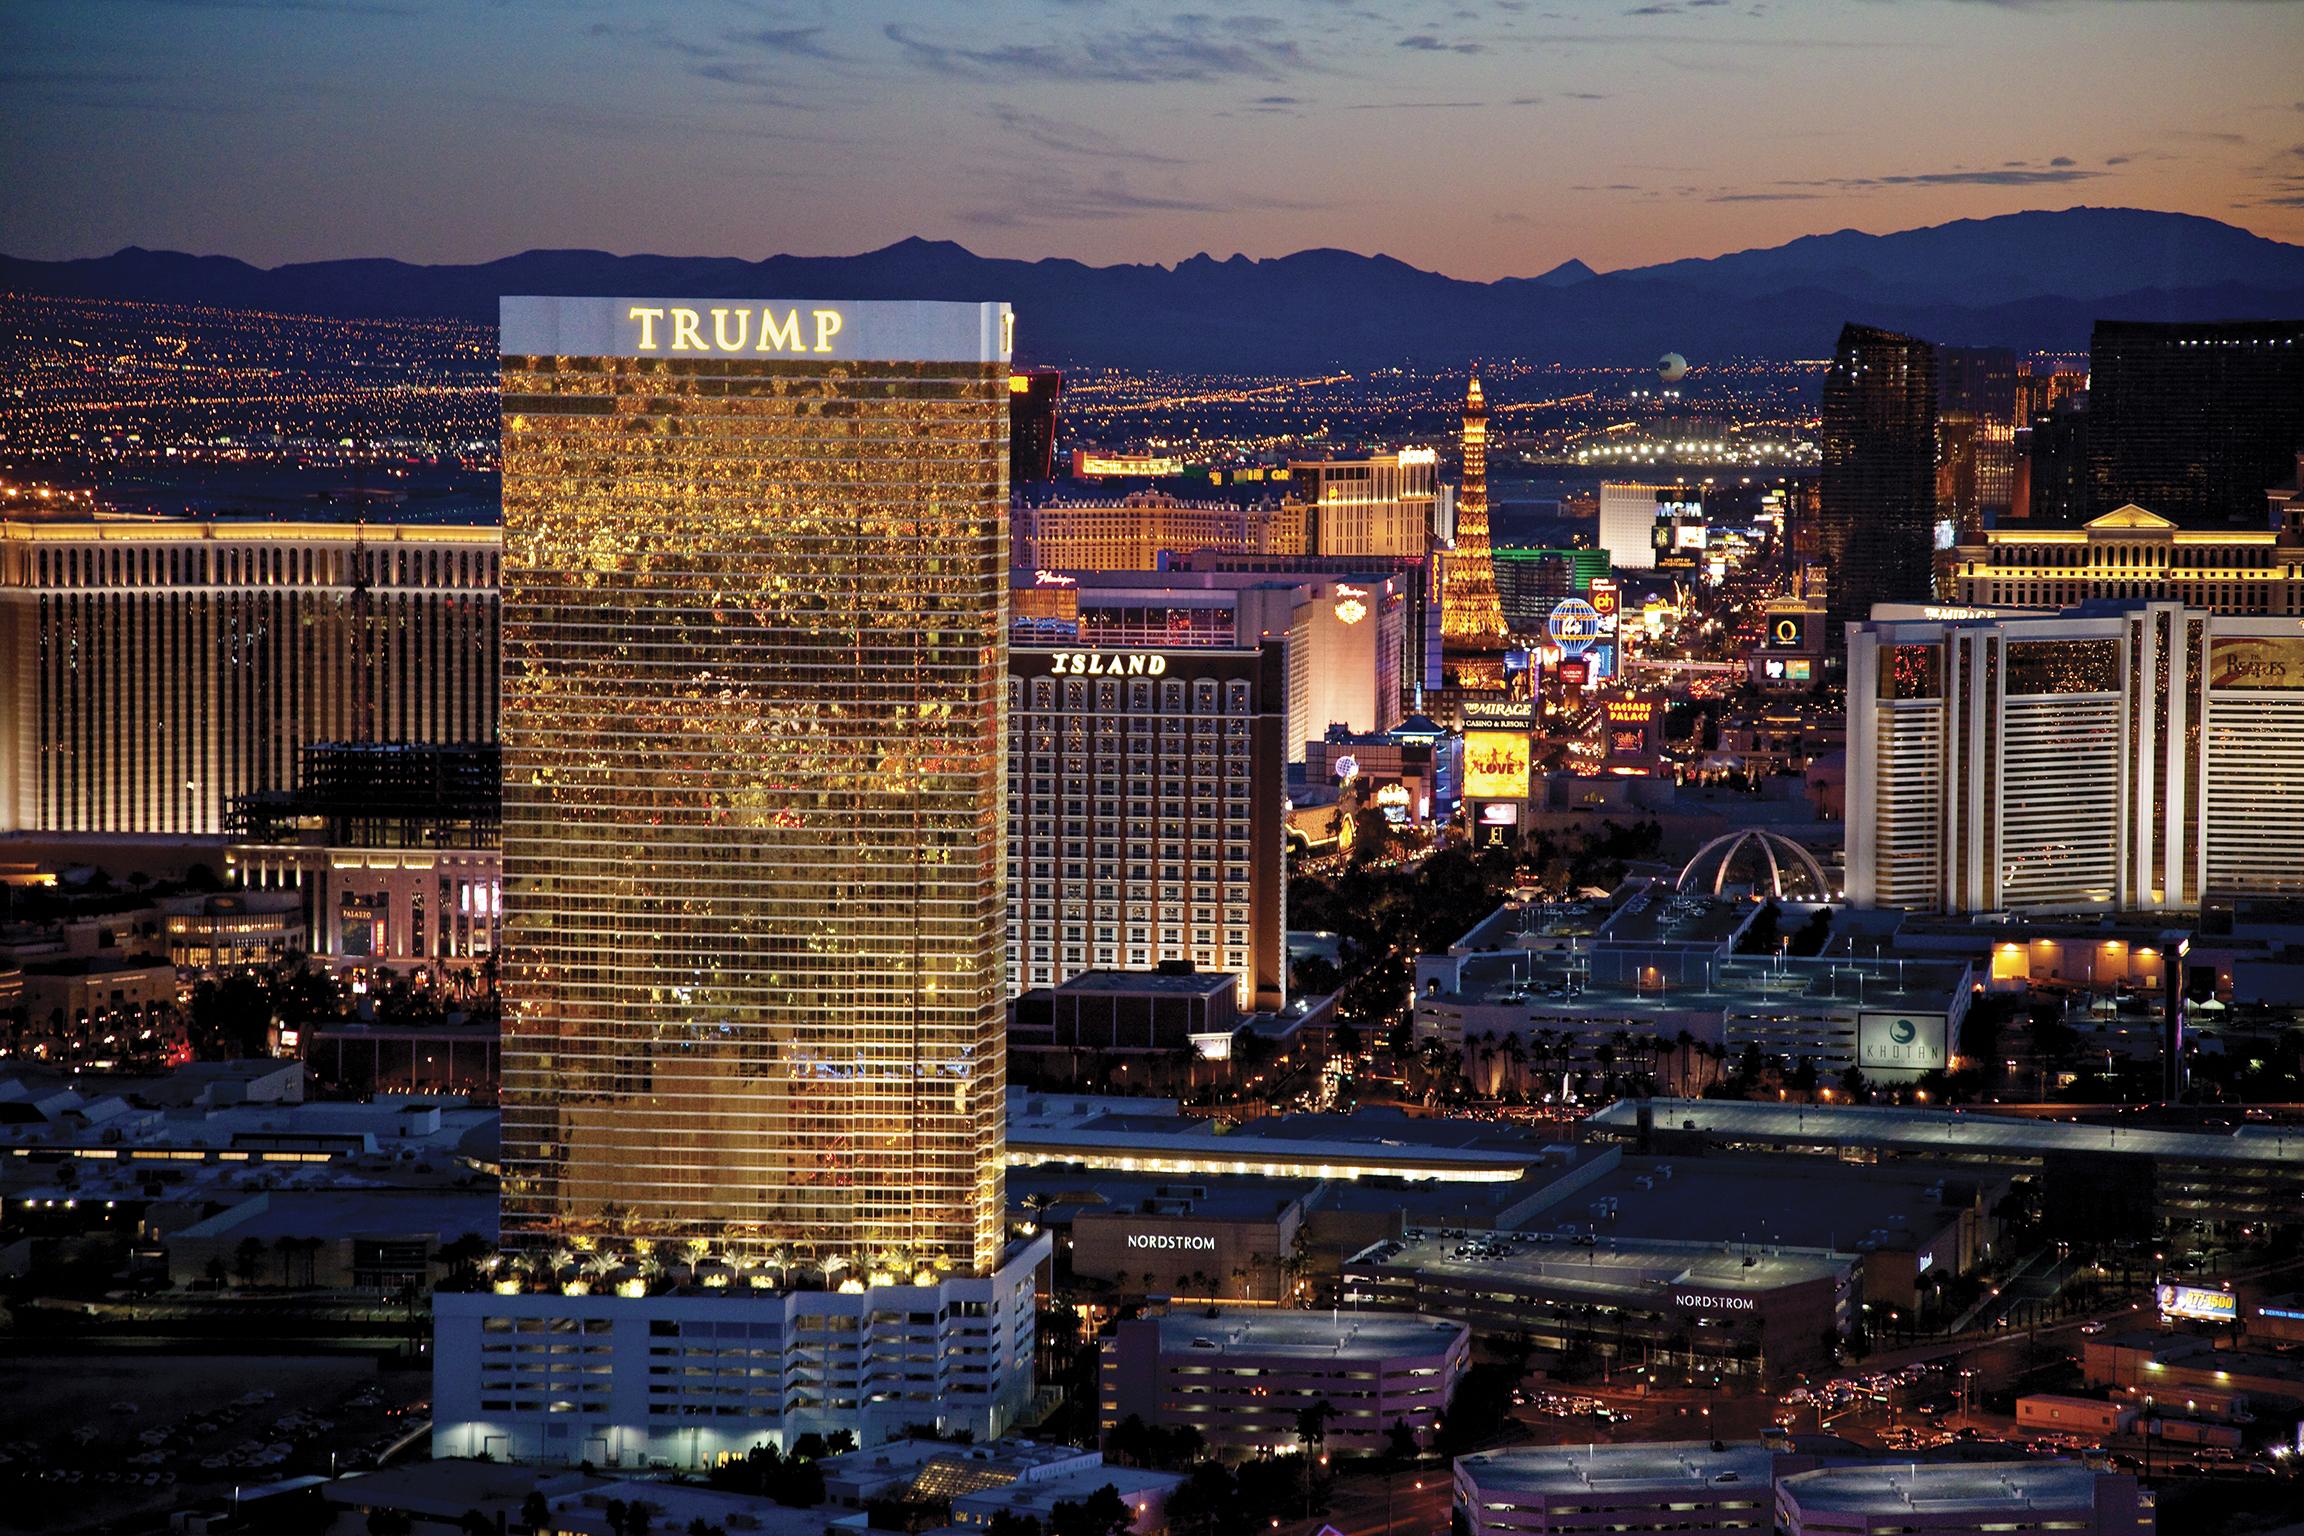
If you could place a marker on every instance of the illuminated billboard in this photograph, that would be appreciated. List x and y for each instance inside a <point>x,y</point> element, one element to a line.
<point>2198,1302</point>
<point>1098,466</point>
<point>1499,714</point>
<point>1788,631</point>
<point>1495,765</point>
<point>1574,672</point>
<point>1573,626</point>
<point>2256,661</point>
<point>1903,1042</point>
<point>1607,597</point>
<point>1630,727</point>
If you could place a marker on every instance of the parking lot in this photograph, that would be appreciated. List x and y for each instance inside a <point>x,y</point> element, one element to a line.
<point>87,1441</point>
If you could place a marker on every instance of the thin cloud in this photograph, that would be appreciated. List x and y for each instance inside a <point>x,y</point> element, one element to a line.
<point>309,7</point>
<point>1425,42</point>
<point>2001,176</point>
<point>1067,138</point>
<point>1190,49</point>
<point>789,42</point>
<point>1061,200</point>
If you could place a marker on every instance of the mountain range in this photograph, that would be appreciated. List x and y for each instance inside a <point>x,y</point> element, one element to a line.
<point>2033,280</point>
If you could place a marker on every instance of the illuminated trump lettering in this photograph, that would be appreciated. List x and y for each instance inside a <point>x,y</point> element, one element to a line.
<point>733,329</point>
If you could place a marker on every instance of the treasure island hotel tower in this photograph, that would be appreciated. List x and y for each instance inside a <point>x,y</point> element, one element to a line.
<point>754,772</point>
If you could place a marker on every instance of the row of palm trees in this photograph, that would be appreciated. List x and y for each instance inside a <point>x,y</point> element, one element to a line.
<point>1492,1063</point>
<point>640,1266</point>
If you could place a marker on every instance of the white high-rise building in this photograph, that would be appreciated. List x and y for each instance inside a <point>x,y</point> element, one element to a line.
<point>2128,756</point>
<point>1628,513</point>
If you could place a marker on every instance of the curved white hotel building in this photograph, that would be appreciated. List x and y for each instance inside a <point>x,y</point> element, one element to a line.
<point>2120,755</point>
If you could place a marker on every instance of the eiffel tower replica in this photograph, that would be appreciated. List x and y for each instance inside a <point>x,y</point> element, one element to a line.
<point>1473,638</point>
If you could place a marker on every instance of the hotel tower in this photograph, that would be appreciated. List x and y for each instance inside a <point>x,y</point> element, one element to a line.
<point>754,906</point>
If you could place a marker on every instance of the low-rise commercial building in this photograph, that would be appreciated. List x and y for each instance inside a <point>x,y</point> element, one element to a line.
<point>1638,984</point>
<point>1904,1221</point>
<point>2095,1180</point>
<point>1194,1240</point>
<point>1688,1488</point>
<point>375,1240</point>
<point>1963,1499</point>
<point>1241,1378</point>
<point>1748,1310</point>
<point>2187,1374</point>
<point>84,991</point>
<point>228,932</point>
<point>1149,1136</point>
<point>1143,1491</point>
<point>691,1375</point>
<point>1128,1013</point>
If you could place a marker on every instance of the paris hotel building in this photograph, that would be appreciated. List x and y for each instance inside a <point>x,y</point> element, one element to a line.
<point>755,892</point>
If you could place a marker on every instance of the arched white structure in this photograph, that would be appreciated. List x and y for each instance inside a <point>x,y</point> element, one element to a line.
<point>1779,867</point>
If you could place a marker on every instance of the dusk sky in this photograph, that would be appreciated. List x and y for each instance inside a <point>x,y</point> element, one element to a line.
<point>1482,139</point>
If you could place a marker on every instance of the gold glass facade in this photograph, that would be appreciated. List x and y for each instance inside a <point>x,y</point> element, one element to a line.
<point>754,776</point>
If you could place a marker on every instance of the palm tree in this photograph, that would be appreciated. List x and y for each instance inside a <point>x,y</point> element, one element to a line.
<point>1516,1059</point>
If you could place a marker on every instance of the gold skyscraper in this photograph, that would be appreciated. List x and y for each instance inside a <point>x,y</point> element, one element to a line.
<point>1472,630</point>
<point>754,777</point>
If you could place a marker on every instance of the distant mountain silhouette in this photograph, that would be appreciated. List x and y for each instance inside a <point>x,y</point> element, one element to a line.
<point>2027,280</point>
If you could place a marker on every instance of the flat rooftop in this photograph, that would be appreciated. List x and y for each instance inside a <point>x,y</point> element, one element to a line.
<point>1625,982</point>
<point>1610,1269</point>
<point>1054,1195</point>
<point>1285,1146</point>
<point>1664,1465</point>
<point>1512,923</point>
<point>1806,1202</point>
<point>1944,1487</point>
<point>1663,917</point>
<point>444,1215</point>
<point>1952,1131</point>
<point>1148,983</point>
<point>1310,1335</point>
